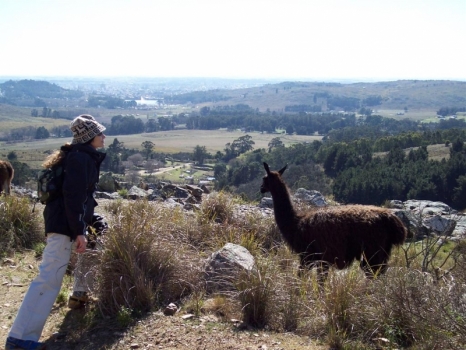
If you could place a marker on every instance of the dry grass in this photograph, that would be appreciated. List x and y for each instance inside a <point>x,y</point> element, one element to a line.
<point>19,225</point>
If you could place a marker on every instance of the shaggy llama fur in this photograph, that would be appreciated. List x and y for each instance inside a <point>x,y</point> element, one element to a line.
<point>335,236</point>
<point>6,175</point>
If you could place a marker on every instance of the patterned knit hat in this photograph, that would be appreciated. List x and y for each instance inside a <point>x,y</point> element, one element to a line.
<point>85,128</point>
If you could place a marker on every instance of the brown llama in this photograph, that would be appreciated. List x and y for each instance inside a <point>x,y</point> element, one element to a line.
<point>335,236</point>
<point>6,175</point>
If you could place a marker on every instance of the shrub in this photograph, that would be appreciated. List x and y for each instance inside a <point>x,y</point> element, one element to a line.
<point>218,207</point>
<point>255,293</point>
<point>20,227</point>
<point>141,266</point>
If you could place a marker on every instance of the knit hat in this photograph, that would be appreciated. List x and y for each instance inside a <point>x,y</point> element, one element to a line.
<point>85,128</point>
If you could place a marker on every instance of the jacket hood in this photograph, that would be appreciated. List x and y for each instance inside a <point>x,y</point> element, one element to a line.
<point>96,155</point>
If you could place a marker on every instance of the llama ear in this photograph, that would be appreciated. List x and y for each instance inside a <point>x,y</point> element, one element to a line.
<point>266,167</point>
<point>282,170</point>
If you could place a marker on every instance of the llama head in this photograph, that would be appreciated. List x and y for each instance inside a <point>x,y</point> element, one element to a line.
<point>272,178</point>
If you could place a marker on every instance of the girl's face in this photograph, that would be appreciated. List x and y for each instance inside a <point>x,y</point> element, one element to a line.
<point>98,141</point>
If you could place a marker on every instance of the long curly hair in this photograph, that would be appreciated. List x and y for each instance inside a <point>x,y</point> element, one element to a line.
<point>56,156</point>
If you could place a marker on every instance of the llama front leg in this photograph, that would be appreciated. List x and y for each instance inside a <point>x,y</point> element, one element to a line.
<point>322,267</point>
<point>375,264</point>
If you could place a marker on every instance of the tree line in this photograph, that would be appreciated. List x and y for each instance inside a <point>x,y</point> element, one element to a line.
<point>352,173</point>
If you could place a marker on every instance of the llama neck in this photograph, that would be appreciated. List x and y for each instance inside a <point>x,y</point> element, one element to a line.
<point>285,214</point>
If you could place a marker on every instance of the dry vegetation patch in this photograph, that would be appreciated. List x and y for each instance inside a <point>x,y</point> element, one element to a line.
<point>154,255</point>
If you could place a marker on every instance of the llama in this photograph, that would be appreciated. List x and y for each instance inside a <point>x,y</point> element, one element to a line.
<point>6,175</point>
<point>335,236</point>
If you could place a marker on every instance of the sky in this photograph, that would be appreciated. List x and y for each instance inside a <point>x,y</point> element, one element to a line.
<point>276,39</point>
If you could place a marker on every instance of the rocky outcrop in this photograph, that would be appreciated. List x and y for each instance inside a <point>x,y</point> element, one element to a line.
<point>310,197</point>
<point>424,218</point>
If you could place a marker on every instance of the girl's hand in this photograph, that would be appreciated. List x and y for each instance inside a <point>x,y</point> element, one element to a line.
<point>81,243</point>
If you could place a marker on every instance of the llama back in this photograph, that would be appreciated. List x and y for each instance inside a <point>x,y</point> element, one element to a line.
<point>397,231</point>
<point>368,214</point>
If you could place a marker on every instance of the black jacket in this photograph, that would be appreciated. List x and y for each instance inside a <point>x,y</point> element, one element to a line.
<point>71,212</point>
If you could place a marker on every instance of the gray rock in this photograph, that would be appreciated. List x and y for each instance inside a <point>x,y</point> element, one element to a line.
<point>311,197</point>
<point>195,191</point>
<point>105,195</point>
<point>440,225</point>
<point>170,190</point>
<point>266,202</point>
<point>170,309</point>
<point>423,218</point>
<point>137,193</point>
<point>224,265</point>
<point>429,207</point>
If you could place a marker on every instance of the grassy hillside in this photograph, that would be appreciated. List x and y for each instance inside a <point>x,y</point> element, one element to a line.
<point>413,94</point>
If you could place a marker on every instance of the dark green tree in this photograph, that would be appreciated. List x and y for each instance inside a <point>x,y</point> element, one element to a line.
<point>274,143</point>
<point>114,156</point>
<point>219,170</point>
<point>42,133</point>
<point>148,147</point>
<point>200,154</point>
<point>12,156</point>
<point>242,145</point>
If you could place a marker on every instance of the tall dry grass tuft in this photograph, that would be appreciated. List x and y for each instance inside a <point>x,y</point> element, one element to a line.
<point>217,207</point>
<point>290,300</point>
<point>256,290</point>
<point>336,300</point>
<point>224,219</point>
<point>142,267</point>
<point>20,227</point>
<point>272,296</point>
<point>408,308</point>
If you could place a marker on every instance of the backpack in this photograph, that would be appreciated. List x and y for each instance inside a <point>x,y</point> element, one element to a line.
<point>50,182</point>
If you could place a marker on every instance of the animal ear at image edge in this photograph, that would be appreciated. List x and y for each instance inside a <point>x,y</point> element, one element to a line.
<point>266,167</point>
<point>282,170</point>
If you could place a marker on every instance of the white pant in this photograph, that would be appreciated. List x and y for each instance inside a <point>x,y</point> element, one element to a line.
<point>43,290</point>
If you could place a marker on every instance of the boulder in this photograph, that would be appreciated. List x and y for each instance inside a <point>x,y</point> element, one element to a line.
<point>195,191</point>
<point>311,197</point>
<point>170,190</point>
<point>225,264</point>
<point>266,202</point>
<point>137,193</point>
<point>170,309</point>
<point>423,218</point>
<point>105,195</point>
<point>205,189</point>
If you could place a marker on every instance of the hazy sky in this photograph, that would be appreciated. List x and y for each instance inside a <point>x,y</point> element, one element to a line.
<point>298,39</point>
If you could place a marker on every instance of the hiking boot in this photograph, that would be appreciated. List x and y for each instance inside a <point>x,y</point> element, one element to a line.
<point>19,344</point>
<point>78,301</point>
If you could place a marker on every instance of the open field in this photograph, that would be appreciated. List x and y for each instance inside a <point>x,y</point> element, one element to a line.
<point>34,152</point>
<point>415,114</point>
<point>213,140</point>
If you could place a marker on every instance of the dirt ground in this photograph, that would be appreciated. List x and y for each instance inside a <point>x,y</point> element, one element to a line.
<point>63,330</point>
